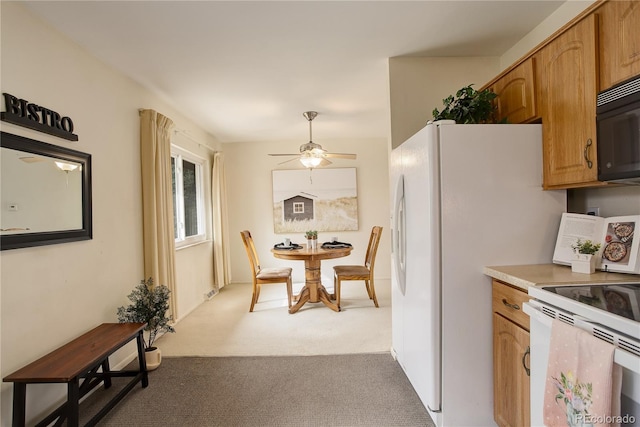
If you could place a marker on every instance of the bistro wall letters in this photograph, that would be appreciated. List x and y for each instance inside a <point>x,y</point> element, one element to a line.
<point>24,113</point>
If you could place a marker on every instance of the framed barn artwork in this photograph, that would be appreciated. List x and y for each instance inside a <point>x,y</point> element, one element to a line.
<point>315,199</point>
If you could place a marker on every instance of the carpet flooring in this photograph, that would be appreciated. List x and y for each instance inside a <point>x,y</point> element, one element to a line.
<point>327,390</point>
<point>223,326</point>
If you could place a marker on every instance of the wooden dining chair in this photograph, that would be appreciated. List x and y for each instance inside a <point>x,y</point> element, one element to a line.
<point>359,272</point>
<point>261,275</point>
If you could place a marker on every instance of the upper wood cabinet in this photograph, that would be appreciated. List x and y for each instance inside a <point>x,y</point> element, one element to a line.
<point>516,94</point>
<point>619,41</point>
<point>558,82</point>
<point>568,84</point>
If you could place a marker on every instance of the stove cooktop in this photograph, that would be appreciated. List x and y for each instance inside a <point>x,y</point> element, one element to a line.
<point>616,306</point>
<point>620,299</point>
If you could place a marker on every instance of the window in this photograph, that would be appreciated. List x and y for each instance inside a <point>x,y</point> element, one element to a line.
<point>188,197</point>
<point>298,207</point>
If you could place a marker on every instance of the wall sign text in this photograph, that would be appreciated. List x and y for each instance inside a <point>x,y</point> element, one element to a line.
<point>27,114</point>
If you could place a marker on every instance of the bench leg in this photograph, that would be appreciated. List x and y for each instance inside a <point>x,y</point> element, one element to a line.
<point>142,361</point>
<point>73,402</point>
<point>106,371</point>
<point>19,403</point>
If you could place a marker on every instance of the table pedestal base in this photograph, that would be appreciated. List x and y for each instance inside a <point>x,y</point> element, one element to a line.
<point>313,290</point>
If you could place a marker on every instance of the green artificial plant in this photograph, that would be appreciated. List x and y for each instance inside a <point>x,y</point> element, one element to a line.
<point>468,106</point>
<point>149,304</point>
<point>587,247</point>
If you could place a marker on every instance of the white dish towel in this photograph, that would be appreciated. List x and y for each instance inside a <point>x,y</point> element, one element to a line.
<point>583,385</point>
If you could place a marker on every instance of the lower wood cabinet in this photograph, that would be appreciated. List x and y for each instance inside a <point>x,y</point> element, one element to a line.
<point>511,393</point>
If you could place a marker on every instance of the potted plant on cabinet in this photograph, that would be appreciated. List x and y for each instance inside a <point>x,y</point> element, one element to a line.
<point>585,261</point>
<point>468,106</point>
<point>149,304</point>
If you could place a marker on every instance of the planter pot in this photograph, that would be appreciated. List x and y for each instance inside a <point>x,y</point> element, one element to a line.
<point>153,357</point>
<point>584,263</point>
<point>312,243</point>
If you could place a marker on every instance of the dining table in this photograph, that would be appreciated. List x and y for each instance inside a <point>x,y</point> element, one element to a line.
<point>313,289</point>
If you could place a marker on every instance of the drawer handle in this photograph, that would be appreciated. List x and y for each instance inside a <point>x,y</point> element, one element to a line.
<point>586,153</point>
<point>514,306</point>
<point>526,353</point>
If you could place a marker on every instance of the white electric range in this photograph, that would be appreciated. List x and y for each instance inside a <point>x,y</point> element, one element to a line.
<point>608,311</point>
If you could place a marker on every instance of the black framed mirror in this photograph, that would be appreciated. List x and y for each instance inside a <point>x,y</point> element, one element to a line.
<point>45,195</point>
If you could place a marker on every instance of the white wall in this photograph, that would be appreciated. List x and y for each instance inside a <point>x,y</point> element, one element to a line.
<point>565,13</point>
<point>418,85</point>
<point>52,294</point>
<point>249,168</point>
<point>614,201</point>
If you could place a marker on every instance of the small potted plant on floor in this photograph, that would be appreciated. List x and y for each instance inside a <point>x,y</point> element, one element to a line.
<point>149,304</point>
<point>585,261</point>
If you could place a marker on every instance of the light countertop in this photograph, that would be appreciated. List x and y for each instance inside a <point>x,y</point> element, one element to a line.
<point>523,276</point>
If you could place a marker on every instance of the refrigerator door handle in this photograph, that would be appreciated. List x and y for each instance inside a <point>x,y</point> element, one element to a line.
<point>399,248</point>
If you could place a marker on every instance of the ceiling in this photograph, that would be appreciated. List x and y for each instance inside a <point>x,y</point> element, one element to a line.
<point>247,70</point>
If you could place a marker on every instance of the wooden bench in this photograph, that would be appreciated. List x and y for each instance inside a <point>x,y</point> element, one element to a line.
<point>77,364</point>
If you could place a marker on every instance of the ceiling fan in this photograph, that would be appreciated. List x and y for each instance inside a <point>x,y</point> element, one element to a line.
<point>312,155</point>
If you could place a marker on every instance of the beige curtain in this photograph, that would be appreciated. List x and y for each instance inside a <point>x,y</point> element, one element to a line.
<point>221,256</point>
<point>157,201</point>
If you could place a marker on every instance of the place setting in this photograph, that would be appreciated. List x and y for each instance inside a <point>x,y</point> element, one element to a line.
<point>287,245</point>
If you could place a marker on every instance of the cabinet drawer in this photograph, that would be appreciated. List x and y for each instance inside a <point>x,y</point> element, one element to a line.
<point>508,301</point>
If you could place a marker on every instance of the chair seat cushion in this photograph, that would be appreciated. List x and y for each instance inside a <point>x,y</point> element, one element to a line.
<point>274,273</point>
<point>351,270</point>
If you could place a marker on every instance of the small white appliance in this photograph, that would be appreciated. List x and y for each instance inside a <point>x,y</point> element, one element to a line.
<point>464,197</point>
<point>611,313</point>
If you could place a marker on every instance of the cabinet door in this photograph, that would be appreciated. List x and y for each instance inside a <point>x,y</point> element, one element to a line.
<point>516,94</point>
<point>568,88</point>
<point>510,377</point>
<point>619,41</point>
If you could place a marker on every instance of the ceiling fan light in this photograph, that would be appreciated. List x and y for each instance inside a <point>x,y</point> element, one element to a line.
<point>66,167</point>
<point>310,161</point>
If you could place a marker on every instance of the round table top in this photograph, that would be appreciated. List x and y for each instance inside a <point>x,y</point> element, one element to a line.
<point>311,254</point>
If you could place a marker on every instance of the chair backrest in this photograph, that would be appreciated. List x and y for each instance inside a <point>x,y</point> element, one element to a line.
<point>372,249</point>
<point>251,252</point>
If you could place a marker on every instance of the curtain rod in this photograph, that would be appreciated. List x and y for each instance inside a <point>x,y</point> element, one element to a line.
<point>186,134</point>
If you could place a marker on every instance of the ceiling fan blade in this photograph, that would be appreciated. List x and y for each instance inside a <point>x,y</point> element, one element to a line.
<point>324,162</point>
<point>290,160</point>
<point>340,155</point>
<point>32,159</point>
<point>297,154</point>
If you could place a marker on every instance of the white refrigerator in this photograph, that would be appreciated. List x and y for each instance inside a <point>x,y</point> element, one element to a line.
<point>463,197</point>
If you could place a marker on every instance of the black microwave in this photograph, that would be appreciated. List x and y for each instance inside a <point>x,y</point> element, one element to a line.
<point>618,124</point>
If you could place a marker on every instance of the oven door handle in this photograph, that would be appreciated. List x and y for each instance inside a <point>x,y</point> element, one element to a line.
<point>621,357</point>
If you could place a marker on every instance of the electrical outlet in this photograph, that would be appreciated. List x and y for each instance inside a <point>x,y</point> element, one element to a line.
<point>593,211</point>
